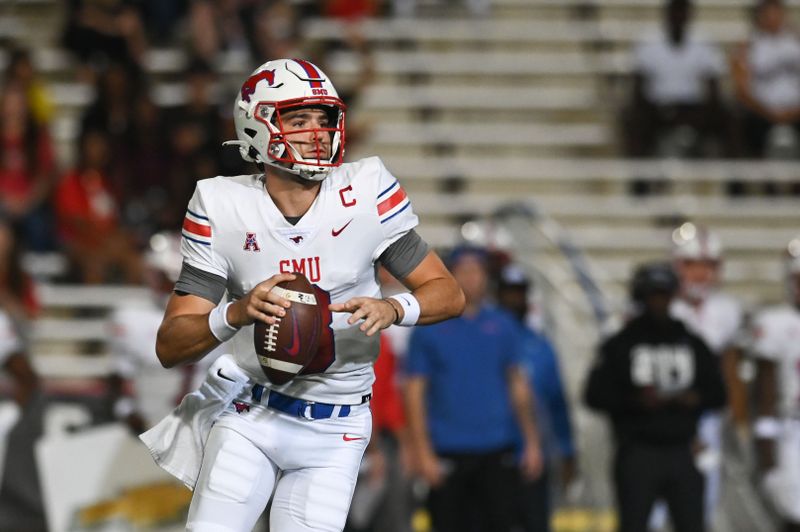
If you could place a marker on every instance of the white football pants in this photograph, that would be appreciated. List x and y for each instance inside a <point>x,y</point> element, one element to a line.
<point>310,465</point>
<point>782,483</point>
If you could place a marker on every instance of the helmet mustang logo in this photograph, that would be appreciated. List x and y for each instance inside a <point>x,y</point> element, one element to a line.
<point>249,86</point>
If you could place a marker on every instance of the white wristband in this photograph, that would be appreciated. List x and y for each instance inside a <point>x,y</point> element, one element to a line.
<point>767,428</point>
<point>410,307</point>
<point>218,322</point>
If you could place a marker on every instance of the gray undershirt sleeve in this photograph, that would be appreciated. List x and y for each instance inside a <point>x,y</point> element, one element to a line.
<point>200,283</point>
<point>405,254</point>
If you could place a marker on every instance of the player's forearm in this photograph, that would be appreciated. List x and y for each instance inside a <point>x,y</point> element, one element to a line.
<point>183,339</point>
<point>439,299</point>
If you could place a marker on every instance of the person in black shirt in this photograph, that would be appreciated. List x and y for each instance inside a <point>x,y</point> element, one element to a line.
<point>654,378</point>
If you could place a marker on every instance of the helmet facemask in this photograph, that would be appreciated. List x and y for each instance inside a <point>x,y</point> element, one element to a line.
<point>284,151</point>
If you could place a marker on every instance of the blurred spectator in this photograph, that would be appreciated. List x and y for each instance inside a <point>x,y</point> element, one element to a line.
<point>88,217</point>
<point>20,71</point>
<point>195,141</point>
<point>717,318</point>
<point>776,346</point>
<point>142,169</point>
<point>140,390</point>
<point>676,106</point>
<point>274,31</point>
<point>27,169</point>
<point>218,25</point>
<point>112,112</point>
<point>468,398</point>
<point>196,123</point>
<point>160,18</point>
<point>17,294</point>
<point>654,378</point>
<point>102,31</point>
<point>552,414</point>
<point>766,75</point>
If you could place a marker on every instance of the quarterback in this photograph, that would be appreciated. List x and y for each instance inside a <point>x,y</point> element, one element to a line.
<point>299,443</point>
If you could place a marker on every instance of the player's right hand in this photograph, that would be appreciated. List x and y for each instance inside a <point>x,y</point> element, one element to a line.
<point>260,303</point>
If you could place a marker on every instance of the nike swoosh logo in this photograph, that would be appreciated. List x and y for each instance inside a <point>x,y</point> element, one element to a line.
<point>335,233</point>
<point>294,349</point>
<point>345,437</point>
<point>219,372</point>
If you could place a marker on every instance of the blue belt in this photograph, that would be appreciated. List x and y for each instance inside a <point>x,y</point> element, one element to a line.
<point>300,407</point>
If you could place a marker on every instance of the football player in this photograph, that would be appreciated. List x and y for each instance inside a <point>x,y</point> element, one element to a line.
<point>776,346</point>
<point>141,391</point>
<point>654,378</point>
<point>299,444</point>
<point>717,318</point>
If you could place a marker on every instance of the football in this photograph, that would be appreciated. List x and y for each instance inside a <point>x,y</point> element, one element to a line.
<point>286,348</point>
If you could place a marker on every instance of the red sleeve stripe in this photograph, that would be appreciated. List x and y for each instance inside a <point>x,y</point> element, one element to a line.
<point>196,228</point>
<point>392,201</point>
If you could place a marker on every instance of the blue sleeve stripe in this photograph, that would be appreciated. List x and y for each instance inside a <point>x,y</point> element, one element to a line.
<point>195,240</point>
<point>395,214</point>
<point>387,189</point>
<point>197,215</point>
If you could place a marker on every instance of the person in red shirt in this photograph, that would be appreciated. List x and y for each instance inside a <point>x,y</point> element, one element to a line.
<point>88,218</point>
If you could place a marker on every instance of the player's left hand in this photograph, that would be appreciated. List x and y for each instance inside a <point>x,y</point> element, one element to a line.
<point>531,462</point>
<point>376,313</point>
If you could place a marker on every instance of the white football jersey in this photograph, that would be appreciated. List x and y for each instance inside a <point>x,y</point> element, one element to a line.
<point>133,350</point>
<point>776,337</point>
<point>717,320</point>
<point>9,341</point>
<point>233,229</point>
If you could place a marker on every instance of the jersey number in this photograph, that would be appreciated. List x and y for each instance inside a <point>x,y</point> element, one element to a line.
<point>326,352</point>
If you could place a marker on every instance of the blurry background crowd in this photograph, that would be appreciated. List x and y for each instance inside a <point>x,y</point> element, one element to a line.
<point>569,139</point>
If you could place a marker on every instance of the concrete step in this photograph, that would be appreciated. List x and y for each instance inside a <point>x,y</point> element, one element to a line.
<point>582,209</point>
<point>477,65</point>
<point>526,32</point>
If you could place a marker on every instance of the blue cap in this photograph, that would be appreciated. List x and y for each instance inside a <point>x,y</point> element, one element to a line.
<point>467,250</point>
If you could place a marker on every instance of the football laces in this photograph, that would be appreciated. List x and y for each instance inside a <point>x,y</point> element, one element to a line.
<point>271,337</point>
